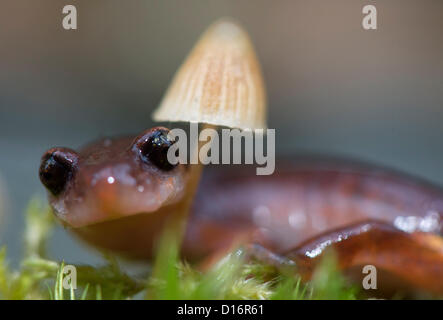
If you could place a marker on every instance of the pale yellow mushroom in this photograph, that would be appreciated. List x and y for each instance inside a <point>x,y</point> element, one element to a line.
<point>219,83</point>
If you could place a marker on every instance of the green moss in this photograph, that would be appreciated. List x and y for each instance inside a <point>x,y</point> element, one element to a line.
<point>231,278</point>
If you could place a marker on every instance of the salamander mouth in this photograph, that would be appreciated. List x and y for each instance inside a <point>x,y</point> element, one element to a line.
<point>103,204</point>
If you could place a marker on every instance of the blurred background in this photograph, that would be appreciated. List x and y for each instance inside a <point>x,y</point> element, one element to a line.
<point>334,88</point>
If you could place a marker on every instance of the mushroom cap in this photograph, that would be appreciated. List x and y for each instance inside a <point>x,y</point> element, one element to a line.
<point>219,83</point>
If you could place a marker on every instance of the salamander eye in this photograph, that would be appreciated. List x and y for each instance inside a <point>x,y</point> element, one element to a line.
<point>56,169</point>
<point>153,148</point>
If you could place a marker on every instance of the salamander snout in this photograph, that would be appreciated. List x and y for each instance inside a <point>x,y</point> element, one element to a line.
<point>58,165</point>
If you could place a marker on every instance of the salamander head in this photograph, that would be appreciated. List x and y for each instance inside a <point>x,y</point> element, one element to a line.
<point>111,179</point>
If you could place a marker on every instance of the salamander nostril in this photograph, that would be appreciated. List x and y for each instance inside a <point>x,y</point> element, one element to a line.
<point>55,172</point>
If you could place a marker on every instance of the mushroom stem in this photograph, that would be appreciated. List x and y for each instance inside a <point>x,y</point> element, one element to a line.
<point>177,223</point>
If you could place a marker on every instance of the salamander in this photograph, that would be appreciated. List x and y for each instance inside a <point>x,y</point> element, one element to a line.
<point>118,194</point>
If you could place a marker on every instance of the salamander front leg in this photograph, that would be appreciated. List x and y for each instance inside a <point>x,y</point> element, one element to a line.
<point>405,261</point>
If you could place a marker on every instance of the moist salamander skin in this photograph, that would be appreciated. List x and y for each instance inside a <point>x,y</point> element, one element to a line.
<point>118,194</point>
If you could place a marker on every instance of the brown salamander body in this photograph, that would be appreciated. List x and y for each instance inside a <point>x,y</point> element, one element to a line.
<point>118,194</point>
<point>305,198</point>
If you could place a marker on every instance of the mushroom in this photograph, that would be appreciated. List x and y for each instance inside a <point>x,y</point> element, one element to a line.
<point>220,83</point>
